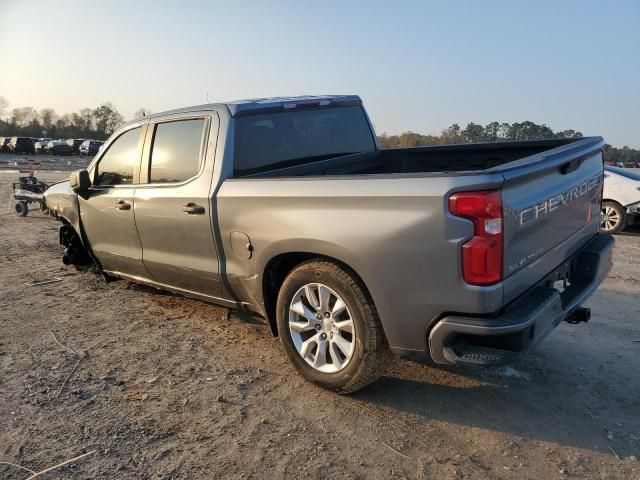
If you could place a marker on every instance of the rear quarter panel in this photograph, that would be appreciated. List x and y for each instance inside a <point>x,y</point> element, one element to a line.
<point>393,231</point>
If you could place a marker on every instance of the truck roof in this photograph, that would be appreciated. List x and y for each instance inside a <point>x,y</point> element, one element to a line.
<point>263,105</point>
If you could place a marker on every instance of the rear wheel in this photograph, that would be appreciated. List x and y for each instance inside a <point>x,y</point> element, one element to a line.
<point>612,217</point>
<point>21,209</point>
<point>330,328</point>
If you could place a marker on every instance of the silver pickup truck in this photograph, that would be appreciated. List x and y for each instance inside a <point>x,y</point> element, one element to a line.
<point>286,208</point>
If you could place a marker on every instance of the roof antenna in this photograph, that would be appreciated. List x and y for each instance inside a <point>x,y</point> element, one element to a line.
<point>207,96</point>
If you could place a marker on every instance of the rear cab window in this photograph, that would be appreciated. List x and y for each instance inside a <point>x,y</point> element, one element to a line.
<point>276,140</point>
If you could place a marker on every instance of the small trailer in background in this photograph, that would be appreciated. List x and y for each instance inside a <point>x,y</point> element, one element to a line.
<point>29,190</point>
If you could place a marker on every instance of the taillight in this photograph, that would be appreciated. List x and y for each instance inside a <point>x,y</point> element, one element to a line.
<point>482,254</point>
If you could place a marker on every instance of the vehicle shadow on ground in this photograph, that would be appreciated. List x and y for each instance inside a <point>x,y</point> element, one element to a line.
<point>160,297</point>
<point>524,410</point>
<point>542,398</point>
<point>571,390</point>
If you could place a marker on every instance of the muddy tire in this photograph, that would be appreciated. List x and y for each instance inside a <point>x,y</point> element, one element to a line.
<point>21,209</point>
<point>329,327</point>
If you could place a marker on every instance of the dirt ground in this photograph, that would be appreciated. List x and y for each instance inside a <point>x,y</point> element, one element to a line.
<point>152,385</point>
<point>45,162</point>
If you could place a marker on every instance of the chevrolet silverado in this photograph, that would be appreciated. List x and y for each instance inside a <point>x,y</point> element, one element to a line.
<point>286,208</point>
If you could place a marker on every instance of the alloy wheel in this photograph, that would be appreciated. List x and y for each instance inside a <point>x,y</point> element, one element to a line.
<point>609,219</point>
<point>321,328</point>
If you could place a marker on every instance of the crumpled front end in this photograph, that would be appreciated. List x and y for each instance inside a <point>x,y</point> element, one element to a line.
<point>62,203</point>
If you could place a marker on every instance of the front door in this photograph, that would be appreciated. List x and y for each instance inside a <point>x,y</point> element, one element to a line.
<point>173,204</point>
<point>107,210</point>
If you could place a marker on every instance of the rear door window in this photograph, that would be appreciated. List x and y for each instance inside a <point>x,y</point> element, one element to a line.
<point>176,151</point>
<point>118,164</point>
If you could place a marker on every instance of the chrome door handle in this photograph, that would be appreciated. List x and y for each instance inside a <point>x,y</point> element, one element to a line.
<point>193,209</point>
<point>123,205</point>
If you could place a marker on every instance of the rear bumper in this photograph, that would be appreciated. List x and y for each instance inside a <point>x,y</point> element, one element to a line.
<point>528,319</point>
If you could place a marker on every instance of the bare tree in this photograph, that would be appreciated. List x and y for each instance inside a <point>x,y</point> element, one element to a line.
<point>108,119</point>
<point>23,116</point>
<point>48,118</point>
<point>87,120</point>
<point>4,106</point>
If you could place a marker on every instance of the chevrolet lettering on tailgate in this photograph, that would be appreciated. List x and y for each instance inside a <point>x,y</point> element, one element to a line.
<point>551,204</point>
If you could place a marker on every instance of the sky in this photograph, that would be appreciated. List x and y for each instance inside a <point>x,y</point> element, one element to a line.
<point>418,65</point>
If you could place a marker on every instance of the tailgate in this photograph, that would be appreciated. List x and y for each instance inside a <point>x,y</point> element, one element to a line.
<point>551,202</point>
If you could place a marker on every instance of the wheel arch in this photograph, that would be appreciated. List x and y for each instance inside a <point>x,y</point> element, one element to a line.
<point>278,268</point>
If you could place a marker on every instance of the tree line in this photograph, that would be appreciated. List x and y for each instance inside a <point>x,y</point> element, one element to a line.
<point>628,156</point>
<point>473,132</point>
<point>100,122</point>
<point>500,132</point>
<point>95,123</point>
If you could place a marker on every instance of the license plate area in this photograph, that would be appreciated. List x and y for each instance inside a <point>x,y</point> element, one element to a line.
<point>577,274</point>
<point>561,280</point>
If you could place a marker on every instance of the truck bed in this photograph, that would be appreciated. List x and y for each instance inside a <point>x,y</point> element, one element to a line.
<point>439,158</point>
<point>390,207</point>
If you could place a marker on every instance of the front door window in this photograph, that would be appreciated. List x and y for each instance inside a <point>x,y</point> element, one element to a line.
<point>118,164</point>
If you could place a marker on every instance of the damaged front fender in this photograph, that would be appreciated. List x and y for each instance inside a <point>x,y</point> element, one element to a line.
<point>63,204</point>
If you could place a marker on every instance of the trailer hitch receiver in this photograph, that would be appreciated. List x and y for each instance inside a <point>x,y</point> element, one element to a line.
<point>580,314</point>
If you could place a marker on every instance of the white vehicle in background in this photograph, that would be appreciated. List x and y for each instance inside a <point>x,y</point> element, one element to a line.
<point>620,198</point>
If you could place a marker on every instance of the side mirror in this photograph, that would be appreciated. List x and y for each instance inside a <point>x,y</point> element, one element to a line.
<point>79,181</point>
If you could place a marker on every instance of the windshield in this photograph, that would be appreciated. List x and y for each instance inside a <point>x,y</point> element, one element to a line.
<point>625,172</point>
<point>276,140</point>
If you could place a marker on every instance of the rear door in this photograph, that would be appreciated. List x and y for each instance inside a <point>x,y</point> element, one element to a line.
<point>107,210</point>
<point>173,206</point>
<point>551,205</point>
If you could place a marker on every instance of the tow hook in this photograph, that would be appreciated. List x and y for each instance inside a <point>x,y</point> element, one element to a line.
<point>580,314</point>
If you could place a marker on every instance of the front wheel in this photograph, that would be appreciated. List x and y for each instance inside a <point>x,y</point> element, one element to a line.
<point>612,217</point>
<point>330,328</point>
